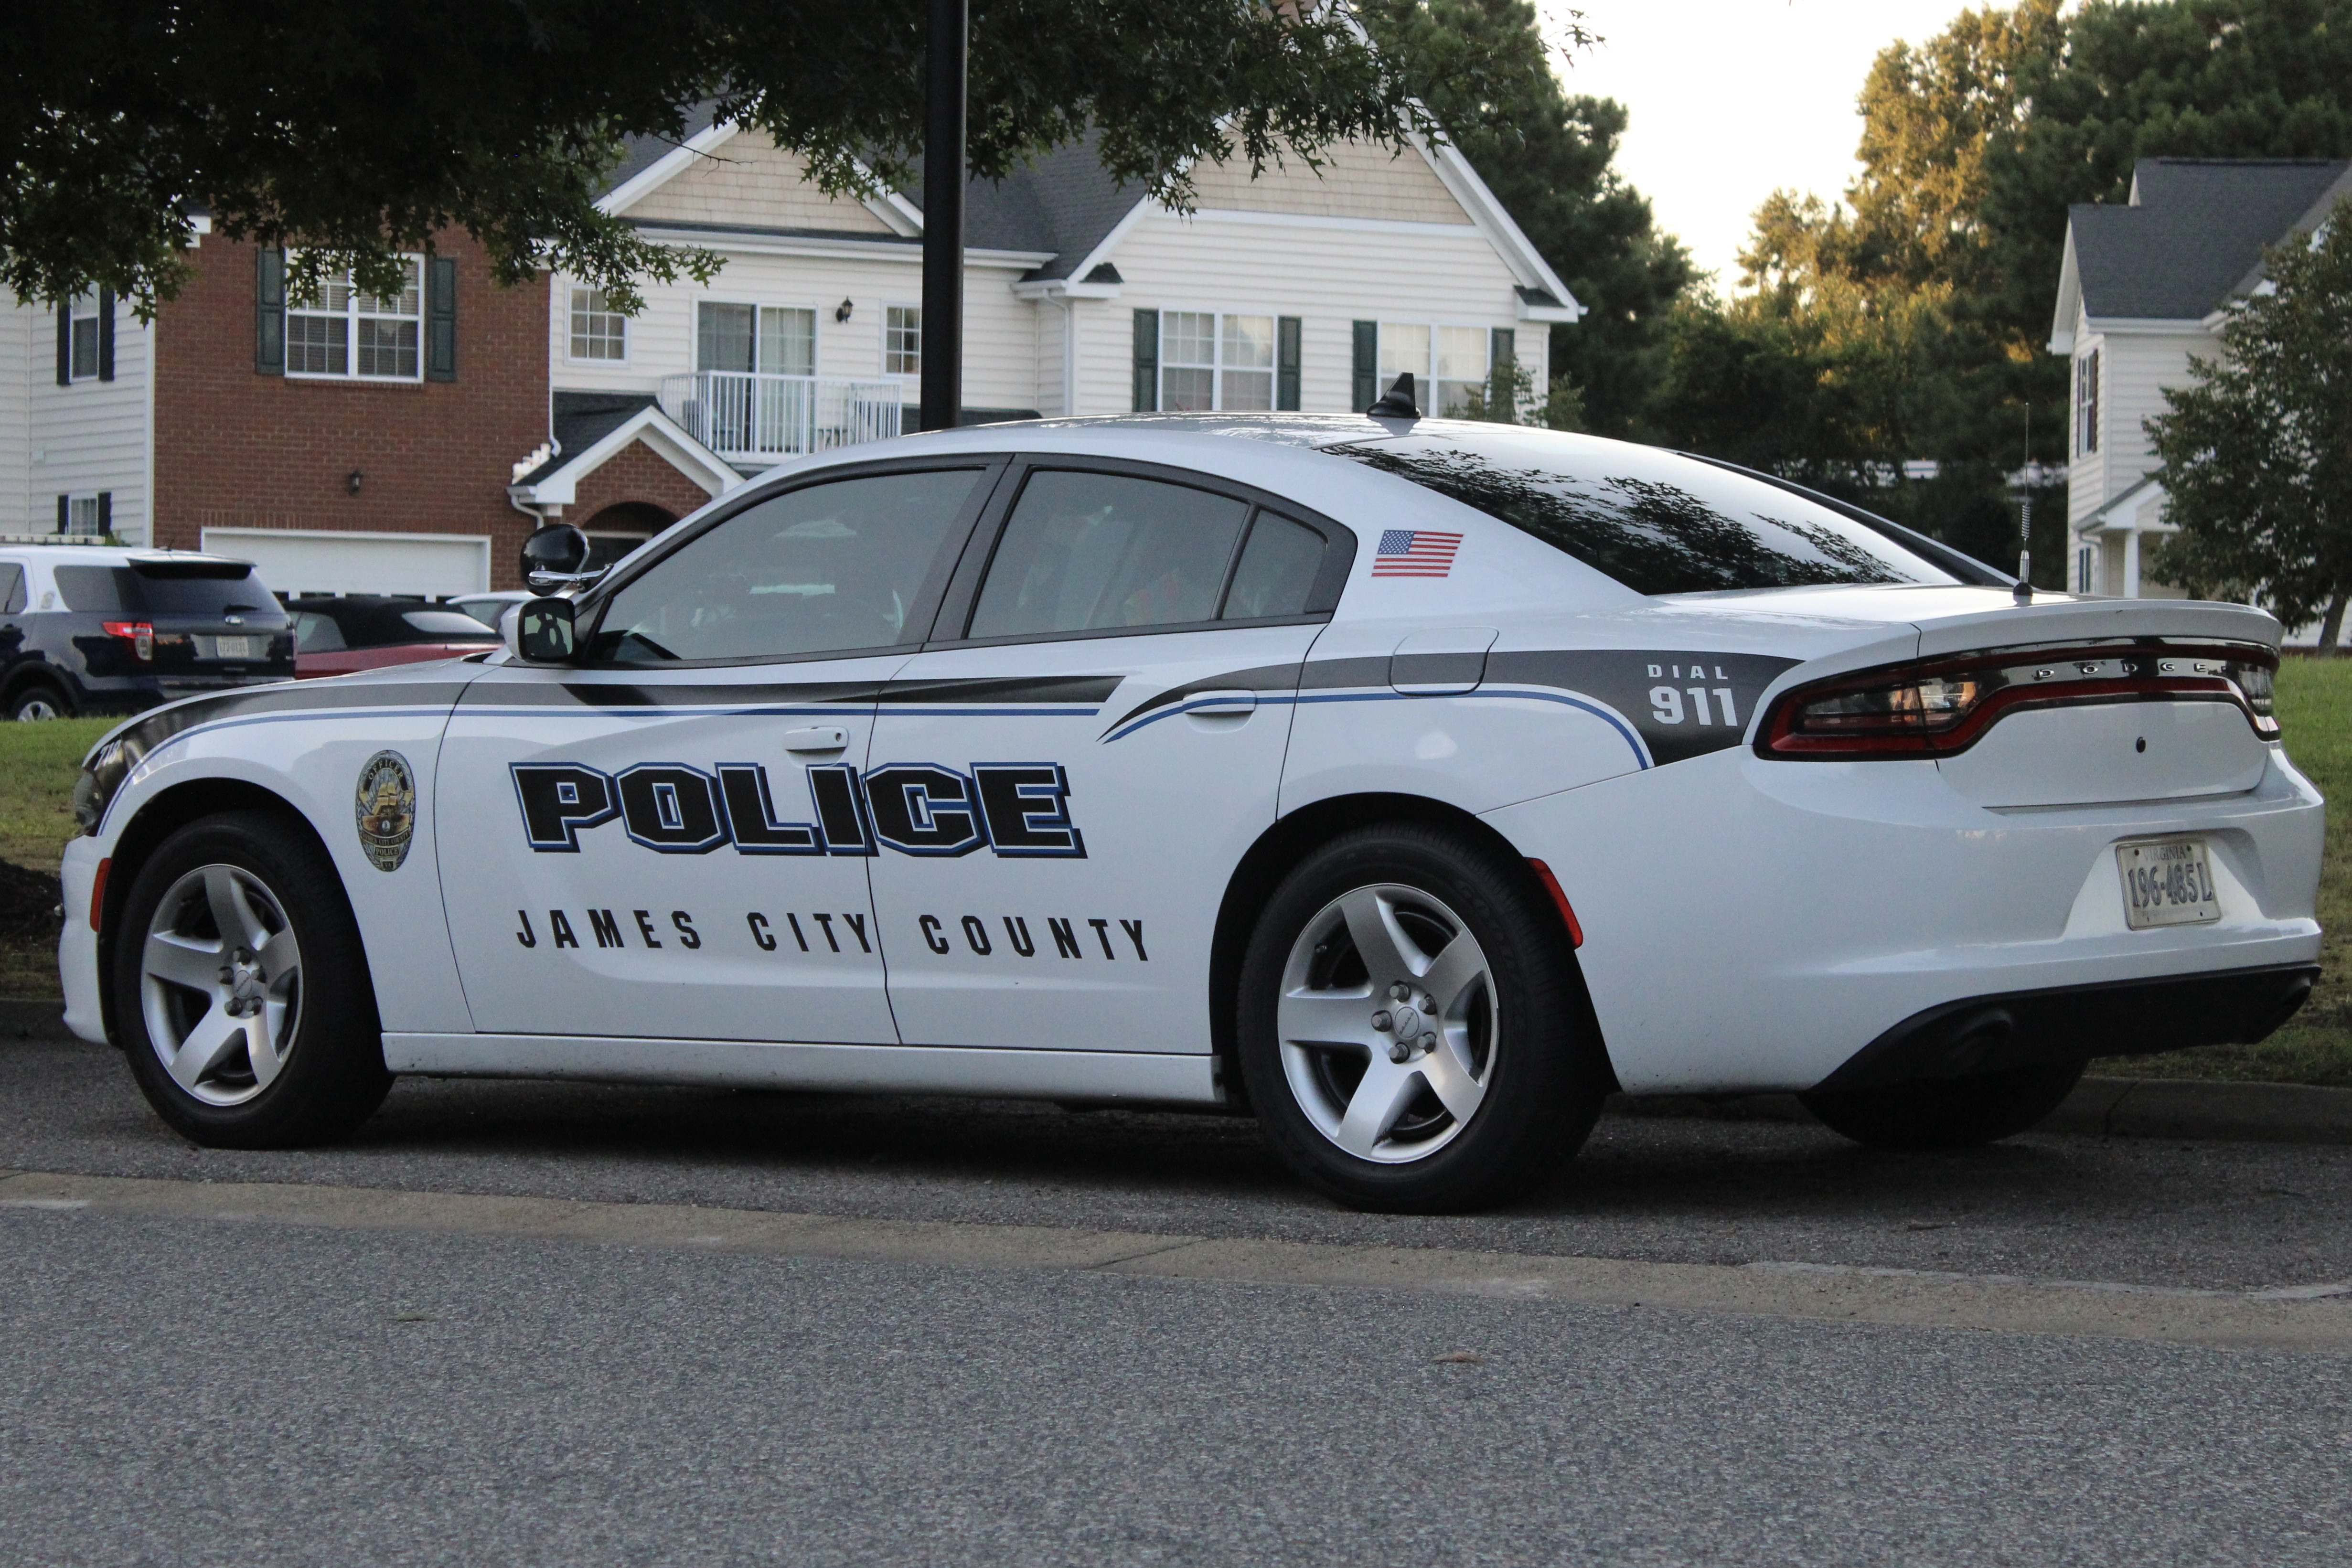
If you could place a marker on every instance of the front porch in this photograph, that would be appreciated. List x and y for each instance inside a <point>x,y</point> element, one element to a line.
<point>756,420</point>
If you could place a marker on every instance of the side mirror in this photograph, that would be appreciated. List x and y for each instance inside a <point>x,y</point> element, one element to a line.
<point>554,557</point>
<point>539,631</point>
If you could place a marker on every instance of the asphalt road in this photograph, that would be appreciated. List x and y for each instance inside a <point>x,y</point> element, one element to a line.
<point>189,1390</point>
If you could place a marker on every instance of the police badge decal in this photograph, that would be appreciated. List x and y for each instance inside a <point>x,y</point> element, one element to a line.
<point>386,809</point>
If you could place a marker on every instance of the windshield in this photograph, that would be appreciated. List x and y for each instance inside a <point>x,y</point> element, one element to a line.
<point>207,589</point>
<point>1655,522</point>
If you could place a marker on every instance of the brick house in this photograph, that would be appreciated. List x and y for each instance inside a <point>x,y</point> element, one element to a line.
<point>406,445</point>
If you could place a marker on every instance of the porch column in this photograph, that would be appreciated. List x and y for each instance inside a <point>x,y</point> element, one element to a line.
<point>2131,563</point>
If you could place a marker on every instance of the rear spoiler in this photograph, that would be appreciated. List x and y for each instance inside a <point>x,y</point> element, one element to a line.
<point>1967,568</point>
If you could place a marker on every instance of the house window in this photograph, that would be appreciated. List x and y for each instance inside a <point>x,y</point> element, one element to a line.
<point>1447,362</point>
<point>902,341</point>
<point>2086,404</point>
<point>2086,566</point>
<point>82,336</point>
<point>1211,360</point>
<point>87,517</point>
<point>340,331</point>
<point>598,331</point>
<point>774,340</point>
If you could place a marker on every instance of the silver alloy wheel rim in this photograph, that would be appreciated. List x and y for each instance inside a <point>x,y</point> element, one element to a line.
<point>34,709</point>
<point>221,985</point>
<point>1387,1077</point>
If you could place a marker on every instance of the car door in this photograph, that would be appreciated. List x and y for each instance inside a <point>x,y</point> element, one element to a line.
<point>12,609</point>
<point>661,839</point>
<point>1063,783</point>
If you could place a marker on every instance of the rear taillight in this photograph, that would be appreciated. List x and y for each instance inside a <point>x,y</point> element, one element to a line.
<point>138,634</point>
<point>1940,706</point>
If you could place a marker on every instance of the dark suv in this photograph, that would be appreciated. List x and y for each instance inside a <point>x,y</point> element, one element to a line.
<point>97,629</point>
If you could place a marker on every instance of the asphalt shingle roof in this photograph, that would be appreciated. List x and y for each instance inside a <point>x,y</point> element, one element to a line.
<point>1062,205</point>
<point>2195,234</point>
<point>581,419</point>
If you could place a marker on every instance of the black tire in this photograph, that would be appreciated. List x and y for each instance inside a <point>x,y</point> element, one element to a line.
<point>1521,1035</point>
<point>1956,1114</point>
<point>320,1027</point>
<point>36,700</point>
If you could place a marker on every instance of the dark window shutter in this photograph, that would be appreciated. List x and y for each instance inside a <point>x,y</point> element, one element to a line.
<point>1285,364</point>
<point>441,318</point>
<point>1368,365</point>
<point>65,513</point>
<point>65,344</point>
<point>1502,348</point>
<point>269,312</point>
<point>106,511</point>
<point>1146,361</point>
<point>106,334</point>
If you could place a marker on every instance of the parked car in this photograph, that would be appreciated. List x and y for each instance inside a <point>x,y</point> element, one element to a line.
<point>1410,783</point>
<point>491,609</point>
<point>366,632</point>
<point>101,629</point>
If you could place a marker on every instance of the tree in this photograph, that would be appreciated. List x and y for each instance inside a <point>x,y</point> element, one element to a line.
<point>360,130</point>
<point>1485,74</point>
<point>2257,448</point>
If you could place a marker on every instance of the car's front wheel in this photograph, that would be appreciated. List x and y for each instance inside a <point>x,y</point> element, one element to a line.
<point>1956,1114</point>
<point>1412,1027</point>
<point>241,991</point>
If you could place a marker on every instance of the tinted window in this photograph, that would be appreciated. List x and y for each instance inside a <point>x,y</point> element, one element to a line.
<point>1656,523</point>
<point>1278,571</point>
<point>1086,552</point>
<point>12,587</point>
<point>314,634</point>
<point>828,568</point>
<point>199,589</point>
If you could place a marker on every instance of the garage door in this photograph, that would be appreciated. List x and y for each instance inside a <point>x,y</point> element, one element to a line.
<point>295,561</point>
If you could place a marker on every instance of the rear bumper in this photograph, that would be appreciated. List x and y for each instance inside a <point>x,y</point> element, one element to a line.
<point>2127,1017</point>
<point>1756,926</point>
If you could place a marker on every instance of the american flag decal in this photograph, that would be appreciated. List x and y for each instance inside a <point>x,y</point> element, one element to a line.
<point>1414,552</point>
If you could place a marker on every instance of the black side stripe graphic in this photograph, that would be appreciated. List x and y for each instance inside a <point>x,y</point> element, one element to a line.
<point>1262,678</point>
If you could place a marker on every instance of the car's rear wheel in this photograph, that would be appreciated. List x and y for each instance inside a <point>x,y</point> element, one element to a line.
<point>37,700</point>
<point>241,991</point>
<point>1412,1024</point>
<point>1958,1113</point>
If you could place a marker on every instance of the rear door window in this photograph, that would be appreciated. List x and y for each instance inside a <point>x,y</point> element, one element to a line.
<point>1278,571</point>
<point>1094,553</point>
<point>12,587</point>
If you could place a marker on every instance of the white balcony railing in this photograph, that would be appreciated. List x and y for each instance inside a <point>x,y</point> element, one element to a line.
<point>751,418</point>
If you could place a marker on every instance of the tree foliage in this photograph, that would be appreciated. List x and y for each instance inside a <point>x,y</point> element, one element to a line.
<point>1485,72</point>
<point>2257,448</point>
<point>362,130</point>
<point>1907,320</point>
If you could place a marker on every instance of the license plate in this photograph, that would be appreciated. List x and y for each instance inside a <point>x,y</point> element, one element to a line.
<point>236,648</point>
<point>2167,882</point>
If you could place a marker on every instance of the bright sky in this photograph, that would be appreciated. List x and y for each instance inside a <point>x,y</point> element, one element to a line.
<point>1733,98</point>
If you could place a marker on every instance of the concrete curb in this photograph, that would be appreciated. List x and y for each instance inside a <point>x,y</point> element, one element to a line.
<point>2099,1107</point>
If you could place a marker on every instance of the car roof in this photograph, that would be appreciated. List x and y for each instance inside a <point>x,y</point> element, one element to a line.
<point>112,555</point>
<point>378,619</point>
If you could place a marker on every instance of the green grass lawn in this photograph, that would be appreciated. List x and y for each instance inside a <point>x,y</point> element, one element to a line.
<point>38,761</point>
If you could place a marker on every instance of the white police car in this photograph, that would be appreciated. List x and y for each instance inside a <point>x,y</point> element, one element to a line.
<point>1410,783</point>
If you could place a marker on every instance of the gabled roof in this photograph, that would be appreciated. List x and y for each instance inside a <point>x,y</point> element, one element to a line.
<point>1065,206</point>
<point>591,427</point>
<point>2193,233</point>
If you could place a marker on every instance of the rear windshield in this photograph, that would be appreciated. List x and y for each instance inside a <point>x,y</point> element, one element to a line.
<point>1655,522</point>
<point>210,589</point>
<point>327,624</point>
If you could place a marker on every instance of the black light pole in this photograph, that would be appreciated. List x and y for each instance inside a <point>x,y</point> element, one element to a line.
<point>943,163</point>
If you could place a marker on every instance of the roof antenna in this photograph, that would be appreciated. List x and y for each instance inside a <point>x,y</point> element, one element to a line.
<point>1397,403</point>
<point>2024,590</point>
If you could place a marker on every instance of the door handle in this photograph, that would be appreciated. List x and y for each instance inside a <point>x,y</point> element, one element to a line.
<point>1220,704</point>
<point>823,738</point>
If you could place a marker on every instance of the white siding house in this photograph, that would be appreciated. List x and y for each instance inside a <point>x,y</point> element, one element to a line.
<point>1297,289</point>
<point>76,409</point>
<point>2141,294</point>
